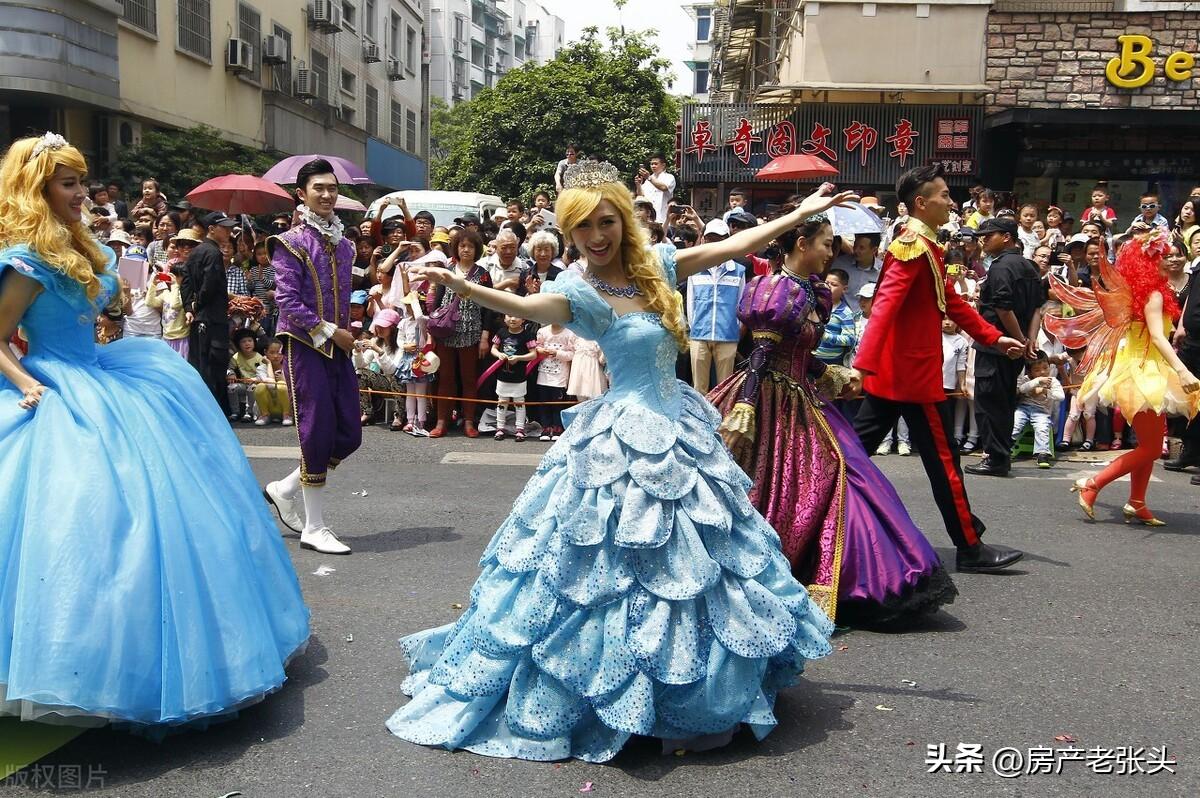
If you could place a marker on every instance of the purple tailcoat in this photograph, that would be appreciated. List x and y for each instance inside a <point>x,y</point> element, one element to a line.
<point>312,283</point>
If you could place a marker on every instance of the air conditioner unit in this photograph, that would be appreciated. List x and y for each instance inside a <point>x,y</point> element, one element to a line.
<point>239,56</point>
<point>274,50</point>
<point>456,93</point>
<point>459,47</point>
<point>489,61</point>
<point>308,83</point>
<point>320,14</point>
<point>502,28</point>
<point>394,70</point>
<point>336,22</point>
<point>371,53</point>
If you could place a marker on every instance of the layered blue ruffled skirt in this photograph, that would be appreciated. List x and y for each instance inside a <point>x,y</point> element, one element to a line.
<point>633,590</point>
<point>142,579</point>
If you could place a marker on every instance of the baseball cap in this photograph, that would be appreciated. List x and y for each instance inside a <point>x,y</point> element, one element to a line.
<point>467,218</point>
<point>741,218</point>
<point>867,291</point>
<point>119,235</point>
<point>182,205</point>
<point>439,237</point>
<point>997,225</point>
<point>219,218</point>
<point>358,297</point>
<point>1079,238</point>
<point>716,227</point>
<point>385,318</point>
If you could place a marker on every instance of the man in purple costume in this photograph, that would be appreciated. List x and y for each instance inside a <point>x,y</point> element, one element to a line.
<point>312,290</point>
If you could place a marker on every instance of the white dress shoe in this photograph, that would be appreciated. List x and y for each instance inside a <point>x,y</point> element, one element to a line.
<point>324,541</point>
<point>291,511</point>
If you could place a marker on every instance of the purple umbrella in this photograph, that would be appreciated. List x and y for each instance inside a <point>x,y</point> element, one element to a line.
<point>346,171</point>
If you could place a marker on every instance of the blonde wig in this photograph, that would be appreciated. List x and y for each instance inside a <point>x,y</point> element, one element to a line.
<point>640,261</point>
<point>26,218</point>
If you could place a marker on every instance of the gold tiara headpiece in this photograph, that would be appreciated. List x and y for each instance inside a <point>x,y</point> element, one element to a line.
<point>591,174</point>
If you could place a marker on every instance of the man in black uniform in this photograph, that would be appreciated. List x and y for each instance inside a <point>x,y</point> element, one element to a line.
<point>205,297</point>
<point>1011,300</point>
<point>1187,342</point>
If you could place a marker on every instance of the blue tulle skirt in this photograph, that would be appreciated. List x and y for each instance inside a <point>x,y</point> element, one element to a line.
<point>633,590</point>
<point>142,579</point>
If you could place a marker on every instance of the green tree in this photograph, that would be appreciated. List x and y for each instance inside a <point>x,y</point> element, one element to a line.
<point>182,159</point>
<point>609,96</point>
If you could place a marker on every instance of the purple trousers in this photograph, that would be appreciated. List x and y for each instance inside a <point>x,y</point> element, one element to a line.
<point>324,393</point>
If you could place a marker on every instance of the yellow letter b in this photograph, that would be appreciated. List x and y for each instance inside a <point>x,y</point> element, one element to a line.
<point>1133,68</point>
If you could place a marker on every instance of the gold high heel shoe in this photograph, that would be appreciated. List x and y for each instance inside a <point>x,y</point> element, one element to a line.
<point>1082,487</point>
<point>1135,514</point>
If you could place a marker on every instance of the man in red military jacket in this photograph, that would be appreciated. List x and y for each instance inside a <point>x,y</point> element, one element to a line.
<point>900,357</point>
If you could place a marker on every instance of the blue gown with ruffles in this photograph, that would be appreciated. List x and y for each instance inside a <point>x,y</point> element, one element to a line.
<point>633,589</point>
<point>142,579</point>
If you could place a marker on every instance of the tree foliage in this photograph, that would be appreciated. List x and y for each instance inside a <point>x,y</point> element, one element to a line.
<point>608,96</point>
<point>182,159</point>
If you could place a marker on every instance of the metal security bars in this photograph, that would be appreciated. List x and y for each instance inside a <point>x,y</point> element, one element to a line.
<point>195,27</point>
<point>141,14</point>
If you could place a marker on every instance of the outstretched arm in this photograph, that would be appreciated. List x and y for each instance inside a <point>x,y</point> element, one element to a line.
<point>542,308</point>
<point>696,259</point>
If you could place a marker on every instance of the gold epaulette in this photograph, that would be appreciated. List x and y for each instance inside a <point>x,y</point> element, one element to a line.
<point>908,246</point>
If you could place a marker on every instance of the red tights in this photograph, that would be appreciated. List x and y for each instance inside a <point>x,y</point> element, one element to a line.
<point>1139,462</point>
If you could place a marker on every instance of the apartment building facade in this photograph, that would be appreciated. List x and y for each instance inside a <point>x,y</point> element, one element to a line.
<point>473,43</point>
<point>342,77</point>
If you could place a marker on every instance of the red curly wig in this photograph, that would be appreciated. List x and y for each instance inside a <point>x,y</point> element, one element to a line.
<point>1139,262</point>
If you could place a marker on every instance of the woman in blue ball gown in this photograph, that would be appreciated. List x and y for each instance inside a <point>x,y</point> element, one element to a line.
<point>634,589</point>
<point>142,580</point>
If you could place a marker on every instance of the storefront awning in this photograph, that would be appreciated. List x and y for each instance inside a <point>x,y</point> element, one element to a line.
<point>1106,117</point>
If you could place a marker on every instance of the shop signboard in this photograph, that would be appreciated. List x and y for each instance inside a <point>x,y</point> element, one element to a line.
<point>870,145</point>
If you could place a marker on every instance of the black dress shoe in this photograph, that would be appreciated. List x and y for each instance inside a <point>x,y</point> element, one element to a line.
<point>1181,463</point>
<point>984,468</point>
<point>984,559</point>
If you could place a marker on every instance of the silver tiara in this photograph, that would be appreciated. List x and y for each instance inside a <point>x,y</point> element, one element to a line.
<point>817,217</point>
<point>591,174</point>
<point>50,141</point>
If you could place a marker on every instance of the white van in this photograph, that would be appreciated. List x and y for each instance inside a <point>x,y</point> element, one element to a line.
<point>446,206</point>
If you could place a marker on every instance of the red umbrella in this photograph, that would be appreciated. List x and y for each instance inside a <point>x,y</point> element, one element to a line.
<point>240,194</point>
<point>796,167</point>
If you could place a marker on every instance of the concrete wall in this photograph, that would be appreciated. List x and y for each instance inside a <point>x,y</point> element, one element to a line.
<point>841,46</point>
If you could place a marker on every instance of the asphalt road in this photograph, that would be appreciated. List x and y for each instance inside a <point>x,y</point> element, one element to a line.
<point>1092,638</point>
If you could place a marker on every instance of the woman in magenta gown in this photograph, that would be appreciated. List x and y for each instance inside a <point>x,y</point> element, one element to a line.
<point>842,526</point>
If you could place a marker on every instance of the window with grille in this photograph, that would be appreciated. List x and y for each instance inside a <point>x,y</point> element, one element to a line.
<point>282,73</point>
<point>410,50</point>
<point>349,16</point>
<point>411,130</point>
<point>320,67</point>
<point>195,27</point>
<point>141,14</point>
<point>372,111</point>
<point>250,30</point>
<point>397,131</point>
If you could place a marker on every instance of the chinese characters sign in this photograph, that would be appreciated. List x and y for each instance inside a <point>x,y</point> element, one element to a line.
<point>866,143</point>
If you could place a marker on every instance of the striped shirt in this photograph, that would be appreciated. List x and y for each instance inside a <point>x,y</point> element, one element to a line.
<point>840,336</point>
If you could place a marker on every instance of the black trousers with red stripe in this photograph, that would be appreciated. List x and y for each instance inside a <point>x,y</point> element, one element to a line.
<point>930,431</point>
